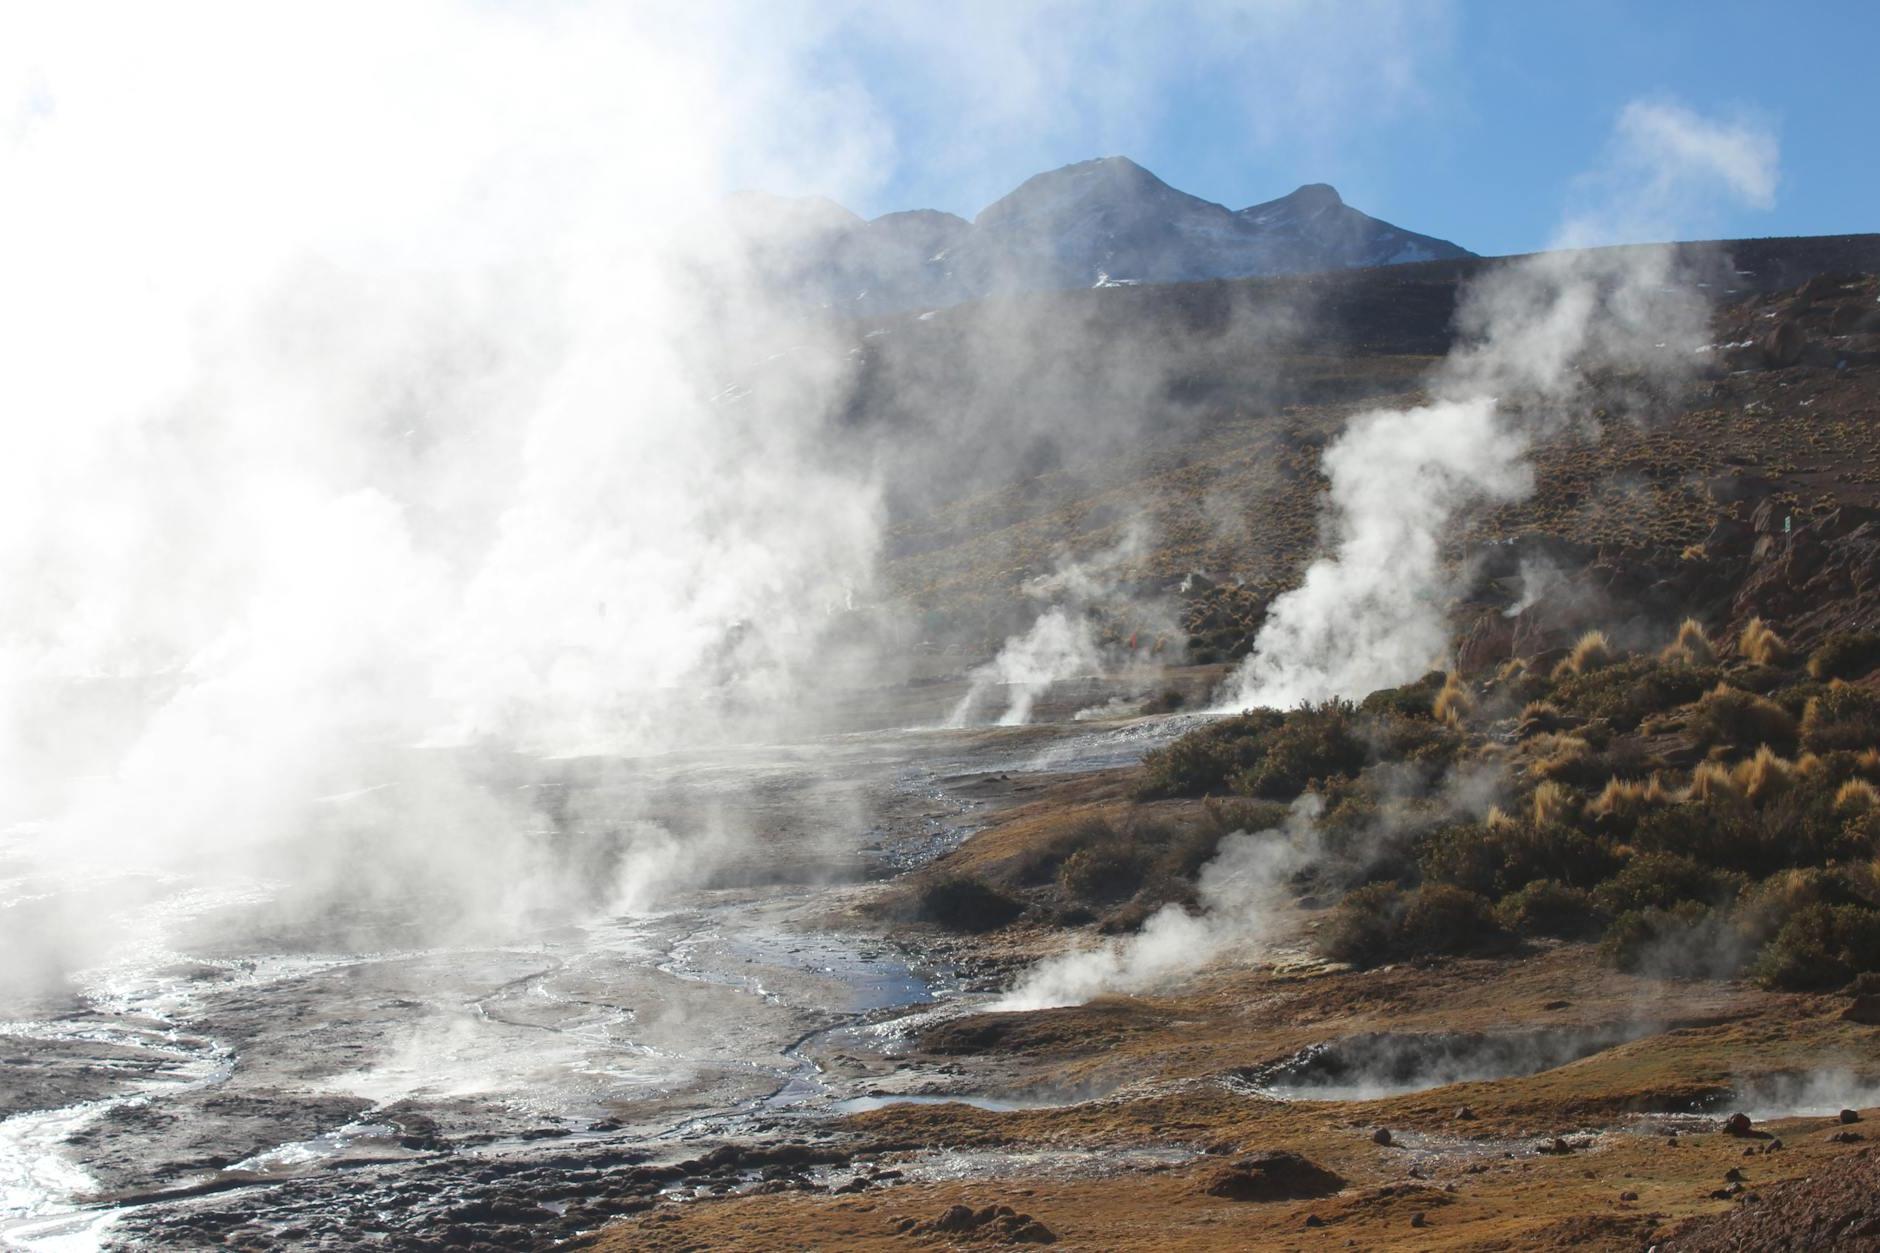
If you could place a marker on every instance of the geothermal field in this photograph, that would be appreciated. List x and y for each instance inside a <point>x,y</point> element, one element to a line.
<point>560,688</point>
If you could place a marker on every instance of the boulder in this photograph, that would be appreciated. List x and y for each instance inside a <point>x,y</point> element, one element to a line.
<point>1738,485</point>
<point>1274,1176</point>
<point>1736,1125</point>
<point>1782,347</point>
<point>1864,1009</point>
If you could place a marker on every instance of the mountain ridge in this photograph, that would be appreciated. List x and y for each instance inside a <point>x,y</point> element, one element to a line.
<point>1098,223</point>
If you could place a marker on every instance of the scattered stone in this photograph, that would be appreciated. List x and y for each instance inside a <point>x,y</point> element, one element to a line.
<point>1846,1137</point>
<point>1381,1136</point>
<point>1736,1124</point>
<point>1313,1220</point>
<point>1733,1175</point>
<point>1848,1115</point>
<point>1417,1220</point>
<point>1465,1114</point>
<point>1628,1196</point>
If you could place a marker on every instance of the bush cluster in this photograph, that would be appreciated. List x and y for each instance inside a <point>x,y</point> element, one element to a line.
<point>1262,753</point>
<point>1732,858</point>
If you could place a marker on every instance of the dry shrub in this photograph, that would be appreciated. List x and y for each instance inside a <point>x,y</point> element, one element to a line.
<point>1499,819</point>
<point>1552,802</point>
<point>1760,645</point>
<point>1712,780</point>
<point>1729,715</point>
<point>1856,796</point>
<point>1625,800</point>
<point>1842,717</point>
<point>1453,704</point>
<point>1763,776</point>
<point>1845,655</point>
<point>1559,755</point>
<point>1549,907</point>
<point>1692,647</point>
<point>1590,652</point>
<point>1541,717</point>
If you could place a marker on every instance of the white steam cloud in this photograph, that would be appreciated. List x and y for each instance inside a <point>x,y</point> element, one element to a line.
<point>382,383</point>
<point>1373,611</point>
<point>1241,893</point>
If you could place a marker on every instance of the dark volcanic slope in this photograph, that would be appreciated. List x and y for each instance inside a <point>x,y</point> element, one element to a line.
<point>1203,408</point>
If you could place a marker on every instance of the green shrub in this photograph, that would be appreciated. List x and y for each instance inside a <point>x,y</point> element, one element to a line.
<point>1798,827</point>
<point>1844,655</point>
<point>1842,717</point>
<point>1662,881</point>
<point>1549,907</point>
<point>1689,940</point>
<point>1628,692</point>
<point>1412,700</point>
<point>1765,908</point>
<point>1102,873</point>
<point>1443,918</point>
<point>1202,760</point>
<point>1313,742</point>
<point>965,903</point>
<point>1420,741</point>
<point>1380,921</point>
<point>1495,860</point>
<point>1360,929</point>
<point>1039,864</point>
<point>1821,946</point>
<point>1729,715</point>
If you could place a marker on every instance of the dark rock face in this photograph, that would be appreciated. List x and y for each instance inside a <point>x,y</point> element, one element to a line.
<point>1098,223</point>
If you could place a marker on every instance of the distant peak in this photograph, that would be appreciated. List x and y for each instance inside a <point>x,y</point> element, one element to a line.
<point>1316,196</point>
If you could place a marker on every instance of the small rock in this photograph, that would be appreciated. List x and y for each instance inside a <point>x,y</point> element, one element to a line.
<point>1628,1196</point>
<point>1381,1136</point>
<point>1848,1115</point>
<point>1417,1219</point>
<point>1736,1125</point>
<point>1313,1220</point>
<point>1465,1114</point>
<point>1732,1175</point>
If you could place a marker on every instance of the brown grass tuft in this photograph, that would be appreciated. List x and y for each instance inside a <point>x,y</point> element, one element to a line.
<point>1590,652</point>
<point>1692,646</point>
<point>1760,644</point>
<point>1629,798</point>
<point>1499,819</point>
<point>1557,755</point>
<point>1857,796</point>
<point>1765,775</point>
<point>1453,704</point>
<point>1553,802</point>
<point>1712,779</point>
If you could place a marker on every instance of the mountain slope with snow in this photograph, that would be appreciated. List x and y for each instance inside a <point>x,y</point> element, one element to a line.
<point>1095,223</point>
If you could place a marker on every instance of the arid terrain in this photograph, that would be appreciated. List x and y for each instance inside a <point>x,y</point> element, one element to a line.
<point>1543,1086</point>
<point>1603,879</point>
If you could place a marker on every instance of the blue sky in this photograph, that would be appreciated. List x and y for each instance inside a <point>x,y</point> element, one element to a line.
<point>1468,120</point>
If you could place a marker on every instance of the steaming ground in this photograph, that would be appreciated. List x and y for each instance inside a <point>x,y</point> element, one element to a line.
<point>312,1068</point>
